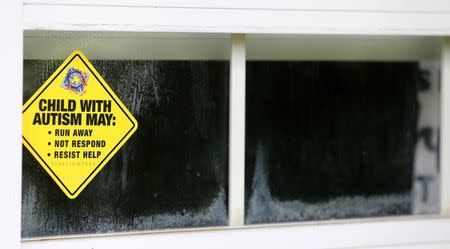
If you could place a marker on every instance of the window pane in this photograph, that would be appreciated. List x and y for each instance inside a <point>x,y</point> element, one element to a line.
<point>172,172</point>
<point>329,140</point>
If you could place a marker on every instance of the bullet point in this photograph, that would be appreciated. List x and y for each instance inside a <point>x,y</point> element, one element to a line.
<point>49,143</point>
<point>49,132</point>
<point>48,154</point>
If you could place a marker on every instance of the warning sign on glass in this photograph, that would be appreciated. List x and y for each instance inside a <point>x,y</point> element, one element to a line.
<point>74,124</point>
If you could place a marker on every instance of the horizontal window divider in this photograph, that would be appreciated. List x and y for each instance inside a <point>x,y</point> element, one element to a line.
<point>359,233</point>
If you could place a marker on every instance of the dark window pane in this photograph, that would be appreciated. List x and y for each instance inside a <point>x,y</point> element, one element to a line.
<point>329,140</point>
<point>172,172</point>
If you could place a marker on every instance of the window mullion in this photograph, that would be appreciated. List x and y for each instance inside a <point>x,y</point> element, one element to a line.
<point>445,128</point>
<point>237,131</point>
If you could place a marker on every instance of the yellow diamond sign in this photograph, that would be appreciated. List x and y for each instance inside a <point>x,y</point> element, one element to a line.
<point>74,124</point>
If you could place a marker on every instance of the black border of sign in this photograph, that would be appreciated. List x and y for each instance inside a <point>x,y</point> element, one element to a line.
<point>95,75</point>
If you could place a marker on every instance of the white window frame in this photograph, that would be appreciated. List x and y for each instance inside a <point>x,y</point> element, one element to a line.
<point>323,17</point>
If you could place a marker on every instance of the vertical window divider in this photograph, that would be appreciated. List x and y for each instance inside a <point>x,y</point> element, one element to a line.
<point>11,128</point>
<point>236,162</point>
<point>445,127</point>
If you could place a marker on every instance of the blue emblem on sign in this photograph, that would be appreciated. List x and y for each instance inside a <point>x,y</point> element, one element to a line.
<point>75,81</point>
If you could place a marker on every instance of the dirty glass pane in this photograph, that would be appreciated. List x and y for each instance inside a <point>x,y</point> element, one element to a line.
<point>331,140</point>
<point>172,173</point>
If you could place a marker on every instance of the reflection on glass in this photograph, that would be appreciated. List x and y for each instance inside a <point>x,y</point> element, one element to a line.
<point>330,140</point>
<point>172,173</point>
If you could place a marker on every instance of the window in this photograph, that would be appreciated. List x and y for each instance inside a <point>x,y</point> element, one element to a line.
<point>336,128</point>
<point>341,23</point>
<point>332,133</point>
<point>172,173</point>
<point>333,140</point>
<point>341,127</point>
